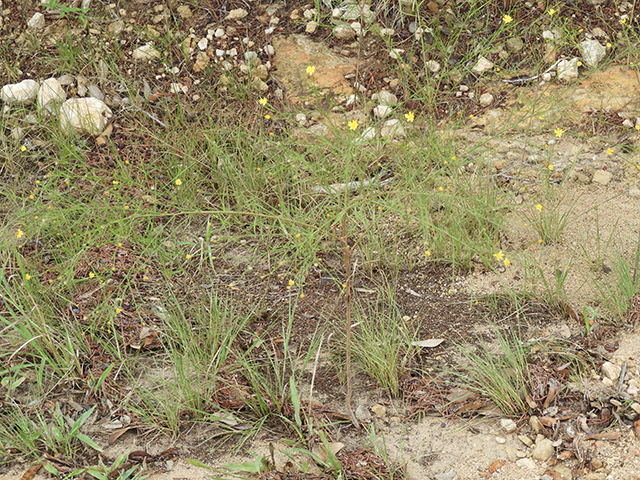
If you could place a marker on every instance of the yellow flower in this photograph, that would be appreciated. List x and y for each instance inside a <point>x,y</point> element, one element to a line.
<point>27,276</point>
<point>310,70</point>
<point>353,124</point>
<point>608,45</point>
<point>262,101</point>
<point>91,275</point>
<point>550,167</point>
<point>638,127</point>
<point>118,310</point>
<point>126,207</point>
<point>23,148</point>
<point>267,116</point>
<point>427,253</point>
<point>291,283</point>
<point>297,235</point>
<point>506,262</point>
<point>558,132</point>
<point>623,21</point>
<point>539,240</point>
<point>178,182</point>
<point>507,19</point>
<point>499,256</point>
<point>19,234</point>
<point>409,116</point>
<point>539,207</point>
<point>187,256</point>
<point>302,295</point>
<point>552,11</point>
<point>609,151</point>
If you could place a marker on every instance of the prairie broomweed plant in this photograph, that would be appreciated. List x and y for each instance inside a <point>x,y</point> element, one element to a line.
<point>311,70</point>
<point>499,256</point>
<point>19,234</point>
<point>539,207</point>
<point>609,151</point>
<point>410,117</point>
<point>178,182</point>
<point>558,132</point>
<point>507,19</point>
<point>262,101</point>
<point>353,124</point>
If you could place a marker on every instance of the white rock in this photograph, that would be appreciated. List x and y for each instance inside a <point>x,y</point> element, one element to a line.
<point>368,134</point>
<point>309,14</point>
<point>146,52</point>
<point>311,27</point>
<point>607,382</point>
<point>628,123</point>
<point>385,98</point>
<point>387,32</point>
<point>357,28</point>
<point>610,370</point>
<point>66,80</point>
<point>592,52</point>
<point>84,115</point>
<point>237,14</point>
<point>50,95</point>
<point>36,22</point>
<point>568,70</point>
<point>483,65</point>
<point>19,93</point>
<point>203,43</point>
<point>526,463</point>
<point>301,118</point>
<point>382,111</point>
<point>219,33</point>
<point>344,32</point>
<point>432,66</point>
<point>392,128</point>
<point>546,77</point>
<point>269,50</point>
<point>501,440</point>
<point>543,450</point>
<point>396,53</point>
<point>548,35</point>
<point>603,178</point>
<point>486,99</point>
<point>633,390</point>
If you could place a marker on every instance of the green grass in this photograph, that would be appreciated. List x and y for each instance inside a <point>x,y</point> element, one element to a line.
<point>147,262</point>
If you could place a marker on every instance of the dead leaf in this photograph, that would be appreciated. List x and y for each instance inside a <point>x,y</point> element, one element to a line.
<point>495,466</point>
<point>118,433</point>
<point>430,343</point>
<point>547,421</point>
<point>636,427</point>
<point>29,474</point>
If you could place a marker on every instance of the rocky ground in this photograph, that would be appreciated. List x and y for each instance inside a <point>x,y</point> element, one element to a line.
<point>586,123</point>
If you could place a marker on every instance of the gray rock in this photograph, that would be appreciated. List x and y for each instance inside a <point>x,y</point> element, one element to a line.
<point>514,44</point>
<point>362,413</point>
<point>382,111</point>
<point>116,28</point>
<point>595,2</point>
<point>344,32</point>
<point>598,32</point>
<point>369,134</point>
<point>392,128</point>
<point>450,475</point>
<point>66,80</point>
<point>319,129</point>
<point>84,115</point>
<point>19,93</point>
<point>568,70</point>
<point>385,98</point>
<point>396,53</point>
<point>51,95</point>
<point>543,450</point>
<point>508,425</point>
<point>95,92</point>
<point>36,22</point>
<point>483,65</point>
<point>609,370</point>
<point>592,52</point>
<point>486,99</point>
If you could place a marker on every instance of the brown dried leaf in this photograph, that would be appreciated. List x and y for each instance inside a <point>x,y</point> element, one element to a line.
<point>495,466</point>
<point>29,474</point>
